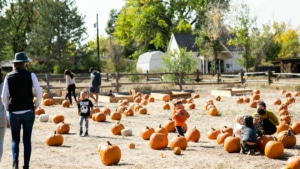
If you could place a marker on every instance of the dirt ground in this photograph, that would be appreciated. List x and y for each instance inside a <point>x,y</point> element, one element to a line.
<point>81,152</point>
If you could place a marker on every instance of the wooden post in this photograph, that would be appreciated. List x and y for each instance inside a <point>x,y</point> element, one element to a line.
<point>218,77</point>
<point>117,81</point>
<point>197,76</point>
<point>48,83</point>
<point>147,76</point>
<point>270,77</point>
<point>107,78</point>
<point>180,80</point>
<point>242,76</point>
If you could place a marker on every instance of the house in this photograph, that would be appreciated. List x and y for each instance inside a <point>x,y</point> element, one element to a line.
<point>226,60</point>
<point>149,61</point>
<point>7,66</point>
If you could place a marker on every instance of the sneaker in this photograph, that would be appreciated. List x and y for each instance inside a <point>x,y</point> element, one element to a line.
<point>86,133</point>
<point>242,151</point>
<point>80,132</point>
<point>251,152</point>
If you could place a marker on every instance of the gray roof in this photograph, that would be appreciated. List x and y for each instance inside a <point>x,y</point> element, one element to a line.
<point>186,40</point>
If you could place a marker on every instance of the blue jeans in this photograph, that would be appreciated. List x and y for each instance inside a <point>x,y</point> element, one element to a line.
<point>18,121</point>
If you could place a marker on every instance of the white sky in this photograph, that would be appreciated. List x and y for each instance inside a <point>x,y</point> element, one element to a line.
<point>266,11</point>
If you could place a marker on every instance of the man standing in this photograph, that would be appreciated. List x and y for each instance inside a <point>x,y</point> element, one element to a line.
<point>95,85</point>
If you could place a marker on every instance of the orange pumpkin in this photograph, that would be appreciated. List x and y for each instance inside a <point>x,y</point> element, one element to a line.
<point>166,106</point>
<point>240,100</point>
<point>46,96</point>
<point>143,110</point>
<point>166,98</point>
<point>131,146</point>
<point>192,135</point>
<point>99,117</point>
<point>262,141</point>
<point>137,107</point>
<point>144,102</point>
<point>129,112</point>
<point>191,105</point>
<point>47,102</point>
<point>287,138</point>
<point>158,141</point>
<point>286,118</point>
<point>277,101</point>
<point>110,154</point>
<point>213,133</point>
<point>256,97</point>
<point>246,100</point>
<point>162,130</point>
<point>58,118</point>
<point>39,111</point>
<point>105,110</point>
<point>151,99</point>
<point>177,150</point>
<point>179,141</point>
<point>65,103</point>
<point>293,162</point>
<point>54,139</point>
<point>197,95</point>
<point>218,98</point>
<point>228,130</point>
<point>256,92</point>
<point>253,104</point>
<point>62,128</point>
<point>296,127</point>
<point>274,149</point>
<point>281,127</point>
<point>170,125</point>
<point>222,136</point>
<point>116,116</point>
<point>117,128</point>
<point>146,96</point>
<point>232,144</point>
<point>213,111</point>
<point>147,132</point>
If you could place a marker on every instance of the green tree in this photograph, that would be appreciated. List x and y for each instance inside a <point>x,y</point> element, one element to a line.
<point>178,61</point>
<point>57,35</point>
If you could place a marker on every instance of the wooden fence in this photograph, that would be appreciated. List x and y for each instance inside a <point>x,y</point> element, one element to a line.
<point>118,79</point>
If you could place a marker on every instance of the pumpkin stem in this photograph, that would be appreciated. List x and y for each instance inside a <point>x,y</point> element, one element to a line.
<point>213,129</point>
<point>159,125</point>
<point>109,143</point>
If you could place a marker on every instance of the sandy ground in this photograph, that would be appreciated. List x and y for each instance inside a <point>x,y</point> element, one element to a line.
<point>81,152</point>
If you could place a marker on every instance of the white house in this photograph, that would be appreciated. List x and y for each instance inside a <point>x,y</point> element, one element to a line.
<point>148,61</point>
<point>226,59</point>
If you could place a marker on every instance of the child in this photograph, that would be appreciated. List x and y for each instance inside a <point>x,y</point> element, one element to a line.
<point>237,129</point>
<point>85,107</point>
<point>248,138</point>
<point>180,116</point>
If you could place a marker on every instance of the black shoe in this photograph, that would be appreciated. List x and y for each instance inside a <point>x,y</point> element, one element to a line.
<point>86,133</point>
<point>80,132</point>
<point>15,164</point>
<point>25,167</point>
<point>242,151</point>
<point>251,152</point>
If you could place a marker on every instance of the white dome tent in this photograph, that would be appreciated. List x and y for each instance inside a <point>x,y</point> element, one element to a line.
<point>151,60</point>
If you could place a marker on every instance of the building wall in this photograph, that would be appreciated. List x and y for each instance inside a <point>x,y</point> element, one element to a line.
<point>231,65</point>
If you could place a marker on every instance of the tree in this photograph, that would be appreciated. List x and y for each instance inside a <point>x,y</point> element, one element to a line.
<point>148,24</point>
<point>241,31</point>
<point>178,61</point>
<point>57,35</point>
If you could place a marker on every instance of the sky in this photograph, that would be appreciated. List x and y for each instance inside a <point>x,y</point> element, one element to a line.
<point>266,11</point>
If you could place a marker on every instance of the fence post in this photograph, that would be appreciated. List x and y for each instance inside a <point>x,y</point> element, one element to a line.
<point>270,77</point>
<point>117,81</point>
<point>197,76</point>
<point>218,77</point>
<point>147,76</point>
<point>180,80</point>
<point>107,79</point>
<point>242,76</point>
<point>48,82</point>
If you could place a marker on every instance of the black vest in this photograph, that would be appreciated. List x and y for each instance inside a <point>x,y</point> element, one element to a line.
<point>20,90</point>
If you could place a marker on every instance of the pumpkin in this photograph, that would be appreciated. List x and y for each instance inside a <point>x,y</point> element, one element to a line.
<point>256,92</point>
<point>282,106</point>
<point>177,150</point>
<point>213,111</point>
<point>288,94</point>
<point>166,106</point>
<point>96,110</point>
<point>190,100</point>
<point>147,132</point>
<point>44,117</point>
<point>99,117</point>
<point>287,138</point>
<point>144,102</point>
<point>274,149</point>
<point>158,141</point>
<point>146,96</point>
<point>281,127</point>
<point>253,104</point>
<point>116,116</point>
<point>166,98</point>
<point>65,103</point>
<point>125,102</point>
<point>129,112</point>
<point>283,91</point>
<point>293,162</point>
<point>138,99</point>
<point>277,101</point>
<point>131,146</point>
<point>183,101</point>
<point>296,127</point>
<point>62,128</point>
<point>110,154</point>
<point>213,134</point>
<point>126,132</point>
<point>228,130</point>
<point>39,111</point>
<point>256,97</point>
<point>283,112</point>
<point>170,125</point>
<point>232,144</point>
<point>246,99</point>
<point>240,100</point>
<point>179,141</point>
<point>54,139</point>
<point>193,135</point>
<point>47,102</point>
<point>137,107</point>
<point>197,95</point>
<point>191,105</point>
<point>222,136</point>
<point>58,118</point>
<point>285,118</point>
<point>143,110</point>
<point>117,128</point>
<point>218,98</point>
<point>262,141</point>
<point>151,99</point>
<point>105,110</point>
<point>162,130</point>
<point>46,96</point>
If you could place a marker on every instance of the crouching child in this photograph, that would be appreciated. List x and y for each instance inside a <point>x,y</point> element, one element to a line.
<point>248,137</point>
